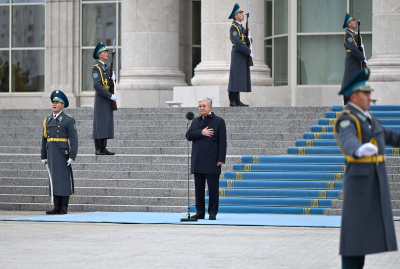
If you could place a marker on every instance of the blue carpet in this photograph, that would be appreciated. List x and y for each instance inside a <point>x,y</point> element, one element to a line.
<point>174,218</point>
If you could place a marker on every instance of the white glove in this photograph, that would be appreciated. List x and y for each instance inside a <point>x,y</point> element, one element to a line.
<point>114,98</point>
<point>113,77</point>
<point>365,61</point>
<point>69,161</point>
<point>367,149</point>
<point>249,36</point>
<point>44,161</point>
<point>251,55</point>
<point>362,45</point>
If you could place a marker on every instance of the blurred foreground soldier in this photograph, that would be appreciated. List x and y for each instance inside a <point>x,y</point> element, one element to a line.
<point>208,133</point>
<point>367,219</point>
<point>354,56</point>
<point>103,117</point>
<point>239,75</point>
<point>58,128</point>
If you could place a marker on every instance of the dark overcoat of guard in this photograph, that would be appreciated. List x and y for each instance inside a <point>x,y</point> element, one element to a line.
<point>207,151</point>
<point>103,117</point>
<point>367,219</point>
<point>354,57</point>
<point>58,152</point>
<point>239,75</point>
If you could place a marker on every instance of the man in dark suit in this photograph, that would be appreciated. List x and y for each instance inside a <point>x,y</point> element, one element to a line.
<point>58,129</point>
<point>208,133</point>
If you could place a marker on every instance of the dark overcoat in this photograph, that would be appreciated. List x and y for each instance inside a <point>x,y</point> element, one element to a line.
<point>239,75</point>
<point>207,151</point>
<point>103,117</point>
<point>367,219</point>
<point>354,56</point>
<point>58,153</point>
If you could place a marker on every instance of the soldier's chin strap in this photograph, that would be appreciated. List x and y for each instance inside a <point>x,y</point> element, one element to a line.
<point>367,159</point>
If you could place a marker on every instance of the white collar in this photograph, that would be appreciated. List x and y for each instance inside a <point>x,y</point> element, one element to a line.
<point>208,114</point>
<point>102,62</point>
<point>350,30</point>
<point>366,113</point>
<point>239,22</point>
<point>56,115</point>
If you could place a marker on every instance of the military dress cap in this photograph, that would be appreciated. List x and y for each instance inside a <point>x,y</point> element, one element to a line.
<point>358,83</point>
<point>347,19</point>
<point>59,96</point>
<point>99,48</point>
<point>236,10</point>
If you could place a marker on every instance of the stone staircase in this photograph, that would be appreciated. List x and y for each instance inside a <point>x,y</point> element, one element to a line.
<point>149,172</point>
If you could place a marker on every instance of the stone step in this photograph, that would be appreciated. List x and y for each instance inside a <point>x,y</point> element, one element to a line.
<point>133,130</point>
<point>176,123</point>
<point>101,191</point>
<point>114,183</point>
<point>93,208</point>
<point>152,150</point>
<point>152,143</point>
<point>118,159</point>
<point>174,136</point>
<point>109,200</point>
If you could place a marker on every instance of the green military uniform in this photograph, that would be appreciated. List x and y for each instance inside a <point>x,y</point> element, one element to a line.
<point>367,221</point>
<point>57,151</point>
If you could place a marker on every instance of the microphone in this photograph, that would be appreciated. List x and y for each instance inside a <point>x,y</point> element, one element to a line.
<point>190,115</point>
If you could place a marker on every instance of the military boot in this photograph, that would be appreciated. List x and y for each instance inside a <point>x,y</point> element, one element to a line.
<point>232,102</point>
<point>104,150</point>
<point>64,204</point>
<point>57,206</point>
<point>239,103</point>
<point>98,145</point>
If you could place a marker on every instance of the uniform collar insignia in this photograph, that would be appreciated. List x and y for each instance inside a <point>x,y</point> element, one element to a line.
<point>60,118</point>
<point>104,68</point>
<point>362,117</point>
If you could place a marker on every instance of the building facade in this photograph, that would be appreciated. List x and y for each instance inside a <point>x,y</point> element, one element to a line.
<point>180,49</point>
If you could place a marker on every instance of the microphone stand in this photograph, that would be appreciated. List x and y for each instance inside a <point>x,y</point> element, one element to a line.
<point>188,215</point>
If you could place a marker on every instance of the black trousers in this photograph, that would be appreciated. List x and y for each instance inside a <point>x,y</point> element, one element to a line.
<point>234,95</point>
<point>353,262</point>
<point>213,193</point>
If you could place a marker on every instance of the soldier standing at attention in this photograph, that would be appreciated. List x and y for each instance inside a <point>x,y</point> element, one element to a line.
<point>103,117</point>
<point>58,128</point>
<point>239,75</point>
<point>354,56</point>
<point>367,219</point>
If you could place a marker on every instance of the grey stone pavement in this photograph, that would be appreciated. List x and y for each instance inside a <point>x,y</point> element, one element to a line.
<point>88,245</point>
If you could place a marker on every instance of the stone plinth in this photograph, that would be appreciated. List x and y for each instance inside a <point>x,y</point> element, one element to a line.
<point>150,52</point>
<point>385,62</point>
<point>216,46</point>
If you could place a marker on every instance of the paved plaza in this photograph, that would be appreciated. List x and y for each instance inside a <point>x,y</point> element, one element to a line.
<point>88,245</point>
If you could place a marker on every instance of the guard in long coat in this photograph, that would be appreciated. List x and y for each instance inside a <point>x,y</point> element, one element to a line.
<point>239,75</point>
<point>58,129</point>
<point>367,219</point>
<point>208,133</point>
<point>103,117</point>
<point>354,56</point>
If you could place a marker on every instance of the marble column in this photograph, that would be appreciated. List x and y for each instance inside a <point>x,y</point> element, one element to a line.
<point>62,50</point>
<point>216,46</point>
<point>385,60</point>
<point>150,53</point>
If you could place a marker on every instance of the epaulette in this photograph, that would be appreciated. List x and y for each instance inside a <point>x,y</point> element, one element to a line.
<point>69,116</point>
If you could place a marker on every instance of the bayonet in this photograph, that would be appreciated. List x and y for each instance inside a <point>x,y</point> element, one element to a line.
<point>51,182</point>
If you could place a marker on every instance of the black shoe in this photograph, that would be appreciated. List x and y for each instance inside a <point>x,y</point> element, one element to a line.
<point>197,216</point>
<point>56,210</point>
<point>232,102</point>
<point>99,152</point>
<point>239,103</point>
<point>106,152</point>
<point>212,217</point>
<point>63,210</point>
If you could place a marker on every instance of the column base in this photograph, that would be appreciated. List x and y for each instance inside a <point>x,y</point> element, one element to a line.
<point>384,68</point>
<point>261,96</point>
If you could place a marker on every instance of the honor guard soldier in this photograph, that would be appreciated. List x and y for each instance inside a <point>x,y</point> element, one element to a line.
<point>103,118</point>
<point>57,154</point>
<point>239,75</point>
<point>367,220</point>
<point>354,56</point>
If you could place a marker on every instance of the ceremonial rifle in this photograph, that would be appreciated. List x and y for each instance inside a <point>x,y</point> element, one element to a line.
<point>248,41</point>
<point>112,84</point>
<point>363,64</point>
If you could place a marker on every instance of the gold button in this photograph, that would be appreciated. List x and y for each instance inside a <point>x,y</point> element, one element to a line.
<point>58,126</point>
<point>57,135</point>
<point>58,131</point>
<point>370,126</point>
